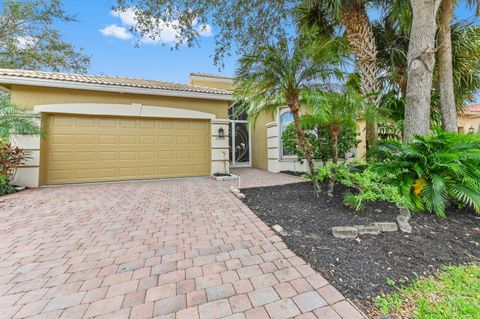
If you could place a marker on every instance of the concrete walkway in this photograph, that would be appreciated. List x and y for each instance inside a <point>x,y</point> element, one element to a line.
<point>183,248</point>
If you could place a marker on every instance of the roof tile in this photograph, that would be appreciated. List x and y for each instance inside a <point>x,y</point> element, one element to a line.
<point>111,80</point>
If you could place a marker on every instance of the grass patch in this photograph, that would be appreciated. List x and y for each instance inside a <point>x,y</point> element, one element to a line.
<point>452,293</point>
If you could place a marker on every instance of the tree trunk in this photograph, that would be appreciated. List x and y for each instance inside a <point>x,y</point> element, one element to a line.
<point>294,106</point>
<point>362,42</point>
<point>447,94</point>
<point>335,133</point>
<point>421,60</point>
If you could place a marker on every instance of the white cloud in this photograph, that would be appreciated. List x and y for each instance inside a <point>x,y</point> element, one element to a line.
<point>116,31</point>
<point>165,33</point>
<point>127,17</point>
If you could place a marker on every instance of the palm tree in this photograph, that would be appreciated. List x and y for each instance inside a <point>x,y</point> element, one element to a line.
<point>445,64</point>
<point>353,15</point>
<point>391,33</point>
<point>15,121</point>
<point>445,67</point>
<point>288,74</point>
<point>338,110</point>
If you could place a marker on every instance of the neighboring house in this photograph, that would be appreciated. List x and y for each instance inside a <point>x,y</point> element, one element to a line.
<point>469,120</point>
<point>105,128</point>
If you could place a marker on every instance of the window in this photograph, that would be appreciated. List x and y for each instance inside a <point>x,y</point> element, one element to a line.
<point>285,120</point>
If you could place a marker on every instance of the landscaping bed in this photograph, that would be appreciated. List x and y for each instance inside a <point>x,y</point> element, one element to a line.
<point>364,268</point>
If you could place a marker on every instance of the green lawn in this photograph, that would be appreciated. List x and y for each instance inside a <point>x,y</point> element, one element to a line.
<point>453,293</point>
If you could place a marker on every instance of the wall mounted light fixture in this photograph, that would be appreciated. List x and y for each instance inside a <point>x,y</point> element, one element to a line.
<point>221,133</point>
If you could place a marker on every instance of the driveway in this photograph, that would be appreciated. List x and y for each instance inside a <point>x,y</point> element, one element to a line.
<point>183,248</point>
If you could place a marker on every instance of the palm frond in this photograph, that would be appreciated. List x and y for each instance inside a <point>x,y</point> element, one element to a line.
<point>16,121</point>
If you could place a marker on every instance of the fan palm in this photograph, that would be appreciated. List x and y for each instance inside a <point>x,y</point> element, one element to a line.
<point>288,74</point>
<point>431,170</point>
<point>15,121</point>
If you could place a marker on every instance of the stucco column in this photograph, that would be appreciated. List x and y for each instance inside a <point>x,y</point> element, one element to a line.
<point>220,146</point>
<point>29,173</point>
<point>273,147</point>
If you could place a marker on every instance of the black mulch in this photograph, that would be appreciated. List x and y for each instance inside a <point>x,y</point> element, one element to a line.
<point>359,269</point>
<point>298,174</point>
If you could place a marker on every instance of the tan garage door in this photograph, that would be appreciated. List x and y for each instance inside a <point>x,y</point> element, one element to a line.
<point>90,149</point>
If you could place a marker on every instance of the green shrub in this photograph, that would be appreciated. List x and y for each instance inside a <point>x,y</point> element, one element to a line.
<point>430,171</point>
<point>319,135</point>
<point>5,187</point>
<point>369,185</point>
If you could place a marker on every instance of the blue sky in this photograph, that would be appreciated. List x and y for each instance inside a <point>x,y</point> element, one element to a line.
<point>114,56</point>
<point>113,52</point>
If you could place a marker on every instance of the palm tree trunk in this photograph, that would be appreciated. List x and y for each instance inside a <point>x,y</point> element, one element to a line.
<point>362,42</point>
<point>447,95</point>
<point>421,60</point>
<point>335,133</point>
<point>294,106</point>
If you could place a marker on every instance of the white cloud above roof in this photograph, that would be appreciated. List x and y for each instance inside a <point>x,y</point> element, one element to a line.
<point>166,32</point>
<point>116,31</point>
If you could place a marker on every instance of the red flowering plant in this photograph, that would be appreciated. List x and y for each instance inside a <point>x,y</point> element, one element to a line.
<point>11,157</point>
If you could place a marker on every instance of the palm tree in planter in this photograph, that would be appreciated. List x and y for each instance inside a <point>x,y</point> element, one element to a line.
<point>288,74</point>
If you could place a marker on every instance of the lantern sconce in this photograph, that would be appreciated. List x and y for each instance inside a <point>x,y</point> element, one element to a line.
<point>471,130</point>
<point>221,133</point>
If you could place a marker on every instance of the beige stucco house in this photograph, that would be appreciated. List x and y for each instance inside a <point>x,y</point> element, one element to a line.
<point>104,128</point>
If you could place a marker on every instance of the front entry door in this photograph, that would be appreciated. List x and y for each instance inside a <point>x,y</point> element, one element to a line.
<point>239,144</point>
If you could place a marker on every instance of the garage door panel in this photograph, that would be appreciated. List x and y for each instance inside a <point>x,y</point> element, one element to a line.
<point>148,156</point>
<point>62,139</point>
<point>166,140</point>
<point>85,122</point>
<point>107,156</point>
<point>106,173</point>
<point>85,139</point>
<point>107,140</point>
<point>128,123</point>
<point>197,169</point>
<point>89,149</point>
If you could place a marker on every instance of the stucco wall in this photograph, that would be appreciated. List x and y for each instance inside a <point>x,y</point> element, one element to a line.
<point>224,84</point>
<point>29,96</point>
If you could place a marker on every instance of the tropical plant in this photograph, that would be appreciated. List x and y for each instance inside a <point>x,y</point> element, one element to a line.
<point>291,74</point>
<point>338,110</point>
<point>430,171</point>
<point>11,158</point>
<point>352,14</point>
<point>366,184</point>
<point>5,187</point>
<point>391,33</point>
<point>14,120</point>
<point>319,135</point>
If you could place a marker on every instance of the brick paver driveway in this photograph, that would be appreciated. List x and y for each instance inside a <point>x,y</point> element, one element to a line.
<point>183,248</point>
